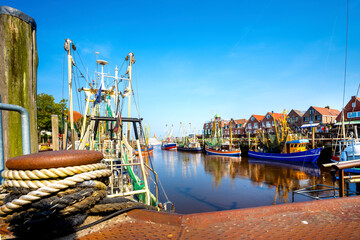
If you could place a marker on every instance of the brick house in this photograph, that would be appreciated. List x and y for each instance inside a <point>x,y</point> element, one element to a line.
<point>318,117</point>
<point>295,119</point>
<point>351,111</point>
<point>268,124</point>
<point>208,126</point>
<point>237,127</point>
<point>253,123</point>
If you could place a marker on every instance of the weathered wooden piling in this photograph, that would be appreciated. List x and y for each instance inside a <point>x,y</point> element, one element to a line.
<point>18,72</point>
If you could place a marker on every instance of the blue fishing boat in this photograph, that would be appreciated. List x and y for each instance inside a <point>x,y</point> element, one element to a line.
<point>295,151</point>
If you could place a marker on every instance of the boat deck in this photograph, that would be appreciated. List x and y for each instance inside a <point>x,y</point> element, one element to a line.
<point>326,219</point>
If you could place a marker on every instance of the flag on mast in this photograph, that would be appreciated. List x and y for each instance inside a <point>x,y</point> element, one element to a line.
<point>98,94</point>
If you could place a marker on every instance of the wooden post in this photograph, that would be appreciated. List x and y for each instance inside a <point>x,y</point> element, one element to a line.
<point>18,71</point>
<point>65,136</point>
<point>313,137</point>
<point>55,132</point>
<point>73,139</point>
<point>341,183</point>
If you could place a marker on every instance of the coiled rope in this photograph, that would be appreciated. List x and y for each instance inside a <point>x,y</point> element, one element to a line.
<point>48,187</point>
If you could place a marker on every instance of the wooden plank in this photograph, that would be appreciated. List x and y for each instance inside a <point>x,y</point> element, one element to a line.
<point>55,132</point>
<point>65,136</point>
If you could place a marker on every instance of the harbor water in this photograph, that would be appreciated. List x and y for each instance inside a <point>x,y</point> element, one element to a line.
<point>196,182</point>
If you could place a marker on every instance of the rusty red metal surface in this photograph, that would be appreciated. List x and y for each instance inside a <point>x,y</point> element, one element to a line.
<point>326,219</point>
<point>54,159</point>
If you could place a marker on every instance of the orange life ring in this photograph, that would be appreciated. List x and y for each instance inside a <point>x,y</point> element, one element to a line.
<point>54,159</point>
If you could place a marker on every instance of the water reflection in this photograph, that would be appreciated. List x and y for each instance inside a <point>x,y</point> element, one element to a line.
<point>202,183</point>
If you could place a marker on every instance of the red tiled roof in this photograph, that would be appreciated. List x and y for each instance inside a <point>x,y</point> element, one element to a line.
<point>300,113</point>
<point>240,121</point>
<point>326,111</point>
<point>277,115</point>
<point>258,117</point>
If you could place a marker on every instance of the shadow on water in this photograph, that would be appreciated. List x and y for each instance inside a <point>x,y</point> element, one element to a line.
<point>203,200</point>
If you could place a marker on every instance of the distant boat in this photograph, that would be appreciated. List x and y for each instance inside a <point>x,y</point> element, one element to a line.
<point>191,147</point>
<point>189,144</point>
<point>222,152</point>
<point>294,152</point>
<point>168,146</point>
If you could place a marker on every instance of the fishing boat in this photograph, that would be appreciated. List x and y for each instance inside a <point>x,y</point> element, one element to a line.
<point>295,152</point>
<point>189,143</point>
<point>283,145</point>
<point>190,147</point>
<point>146,148</point>
<point>222,152</point>
<point>218,145</point>
<point>145,151</point>
<point>105,129</point>
<point>168,144</point>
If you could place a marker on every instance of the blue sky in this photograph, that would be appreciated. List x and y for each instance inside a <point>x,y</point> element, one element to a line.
<point>199,58</point>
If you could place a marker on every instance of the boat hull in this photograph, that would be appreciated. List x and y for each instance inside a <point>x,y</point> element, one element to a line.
<point>305,156</point>
<point>210,151</point>
<point>169,146</point>
<point>199,149</point>
<point>144,152</point>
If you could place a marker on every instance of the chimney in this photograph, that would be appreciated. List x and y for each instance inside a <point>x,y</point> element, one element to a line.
<point>328,107</point>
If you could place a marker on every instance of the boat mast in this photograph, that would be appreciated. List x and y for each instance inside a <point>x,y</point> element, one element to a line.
<point>131,61</point>
<point>68,44</point>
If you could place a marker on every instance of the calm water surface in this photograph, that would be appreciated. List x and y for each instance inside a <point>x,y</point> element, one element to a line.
<point>195,182</point>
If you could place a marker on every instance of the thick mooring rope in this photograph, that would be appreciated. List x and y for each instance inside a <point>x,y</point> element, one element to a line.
<point>46,188</point>
<point>50,173</point>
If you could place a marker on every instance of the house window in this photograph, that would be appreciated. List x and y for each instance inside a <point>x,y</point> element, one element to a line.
<point>255,125</point>
<point>318,117</point>
<point>263,124</point>
<point>311,118</point>
<point>306,119</point>
<point>354,114</point>
<point>249,126</point>
<point>297,119</point>
<point>252,118</point>
<point>273,123</point>
<point>268,124</point>
<point>311,111</point>
<point>353,104</point>
<point>349,115</point>
<point>268,116</point>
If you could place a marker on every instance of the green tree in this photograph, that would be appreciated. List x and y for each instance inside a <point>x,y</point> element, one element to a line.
<point>46,106</point>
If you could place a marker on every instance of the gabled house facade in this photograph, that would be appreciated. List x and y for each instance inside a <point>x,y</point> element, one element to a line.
<point>237,128</point>
<point>351,111</point>
<point>268,124</point>
<point>253,123</point>
<point>218,122</point>
<point>295,119</point>
<point>318,117</point>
